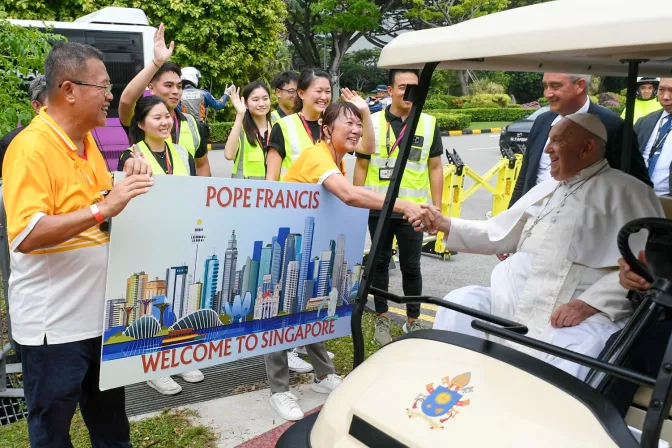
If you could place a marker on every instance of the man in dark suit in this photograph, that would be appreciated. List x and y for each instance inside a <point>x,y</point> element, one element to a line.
<point>652,138</point>
<point>566,95</point>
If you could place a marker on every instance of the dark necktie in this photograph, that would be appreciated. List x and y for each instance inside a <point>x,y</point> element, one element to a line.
<point>657,148</point>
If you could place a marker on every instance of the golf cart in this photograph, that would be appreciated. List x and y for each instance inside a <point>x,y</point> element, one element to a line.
<point>436,388</point>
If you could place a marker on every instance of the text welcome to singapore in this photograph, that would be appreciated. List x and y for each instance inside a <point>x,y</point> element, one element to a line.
<point>177,357</point>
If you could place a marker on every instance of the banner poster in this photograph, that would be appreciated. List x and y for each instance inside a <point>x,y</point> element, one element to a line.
<point>204,271</point>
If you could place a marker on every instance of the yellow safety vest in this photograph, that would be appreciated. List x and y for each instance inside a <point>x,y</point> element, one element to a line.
<point>296,139</point>
<point>415,179</point>
<point>179,155</point>
<point>275,116</point>
<point>644,108</point>
<point>254,165</point>
<point>189,136</point>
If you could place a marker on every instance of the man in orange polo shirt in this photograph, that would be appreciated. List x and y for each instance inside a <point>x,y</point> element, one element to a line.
<point>57,193</point>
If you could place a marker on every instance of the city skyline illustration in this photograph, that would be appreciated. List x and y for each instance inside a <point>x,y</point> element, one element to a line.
<point>281,275</point>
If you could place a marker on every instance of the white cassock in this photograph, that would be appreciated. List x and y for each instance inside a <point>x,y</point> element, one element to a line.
<point>564,238</point>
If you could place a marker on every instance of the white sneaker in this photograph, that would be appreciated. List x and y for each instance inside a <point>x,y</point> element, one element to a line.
<point>193,376</point>
<point>297,364</point>
<point>284,403</point>
<point>302,351</point>
<point>165,385</point>
<point>327,385</point>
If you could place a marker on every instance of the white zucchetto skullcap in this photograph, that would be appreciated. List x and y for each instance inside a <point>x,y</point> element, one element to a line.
<point>590,123</point>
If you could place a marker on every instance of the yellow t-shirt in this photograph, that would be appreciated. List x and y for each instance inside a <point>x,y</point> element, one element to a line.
<point>59,291</point>
<point>314,166</point>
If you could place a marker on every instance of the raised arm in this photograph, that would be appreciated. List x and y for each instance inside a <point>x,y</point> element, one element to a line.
<point>138,84</point>
<point>363,198</point>
<point>231,148</point>
<point>367,144</point>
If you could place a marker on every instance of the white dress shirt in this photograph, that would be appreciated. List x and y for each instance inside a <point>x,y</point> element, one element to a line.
<point>544,172</point>
<point>661,173</point>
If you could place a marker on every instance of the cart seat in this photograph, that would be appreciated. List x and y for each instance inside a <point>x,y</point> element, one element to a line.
<point>667,206</point>
<point>637,412</point>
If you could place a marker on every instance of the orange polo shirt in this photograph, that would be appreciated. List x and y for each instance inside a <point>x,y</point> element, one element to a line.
<point>314,166</point>
<point>57,292</point>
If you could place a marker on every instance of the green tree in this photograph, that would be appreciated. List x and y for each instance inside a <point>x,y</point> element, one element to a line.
<point>22,53</point>
<point>337,23</point>
<point>525,87</point>
<point>406,15</point>
<point>227,41</point>
<point>360,72</point>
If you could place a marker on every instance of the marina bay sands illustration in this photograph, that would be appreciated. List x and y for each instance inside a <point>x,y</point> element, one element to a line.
<point>280,281</point>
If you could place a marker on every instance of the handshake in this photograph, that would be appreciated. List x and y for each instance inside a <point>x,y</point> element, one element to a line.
<point>426,218</point>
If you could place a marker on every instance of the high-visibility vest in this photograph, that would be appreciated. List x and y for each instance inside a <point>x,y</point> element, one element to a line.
<point>179,155</point>
<point>415,178</point>
<point>644,108</point>
<point>193,102</point>
<point>254,164</point>
<point>189,136</point>
<point>296,139</point>
<point>275,116</point>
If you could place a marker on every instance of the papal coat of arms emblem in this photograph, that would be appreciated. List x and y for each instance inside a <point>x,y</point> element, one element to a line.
<point>440,404</point>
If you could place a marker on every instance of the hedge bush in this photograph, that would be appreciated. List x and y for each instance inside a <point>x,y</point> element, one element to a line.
<point>452,122</point>
<point>452,102</point>
<point>514,106</point>
<point>219,131</point>
<point>434,103</point>
<point>488,114</point>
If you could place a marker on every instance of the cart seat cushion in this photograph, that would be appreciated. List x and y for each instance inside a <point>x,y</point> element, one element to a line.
<point>643,398</point>
<point>667,206</point>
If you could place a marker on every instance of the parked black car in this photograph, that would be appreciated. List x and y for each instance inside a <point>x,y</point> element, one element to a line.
<point>514,136</point>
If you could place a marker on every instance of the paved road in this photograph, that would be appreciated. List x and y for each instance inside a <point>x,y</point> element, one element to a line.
<point>480,152</point>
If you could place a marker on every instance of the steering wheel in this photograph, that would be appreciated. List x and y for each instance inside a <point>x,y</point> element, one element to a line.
<point>658,250</point>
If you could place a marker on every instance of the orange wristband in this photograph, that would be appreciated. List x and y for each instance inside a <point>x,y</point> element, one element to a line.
<point>96,214</point>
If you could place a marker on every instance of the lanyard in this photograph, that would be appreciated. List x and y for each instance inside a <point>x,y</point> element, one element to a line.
<point>176,122</point>
<point>660,139</point>
<point>260,140</point>
<point>396,143</point>
<point>310,134</point>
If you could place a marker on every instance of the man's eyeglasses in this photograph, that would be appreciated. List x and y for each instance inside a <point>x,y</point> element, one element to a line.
<point>290,91</point>
<point>108,88</point>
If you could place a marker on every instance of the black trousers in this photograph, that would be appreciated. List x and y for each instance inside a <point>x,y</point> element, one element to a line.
<point>55,379</point>
<point>647,355</point>
<point>410,251</point>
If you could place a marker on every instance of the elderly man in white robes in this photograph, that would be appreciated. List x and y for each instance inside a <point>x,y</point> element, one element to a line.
<point>562,281</point>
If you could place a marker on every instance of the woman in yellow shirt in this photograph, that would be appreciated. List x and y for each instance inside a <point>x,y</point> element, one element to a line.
<point>323,163</point>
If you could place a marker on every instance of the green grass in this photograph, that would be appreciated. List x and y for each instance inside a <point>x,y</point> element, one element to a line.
<point>488,124</point>
<point>342,347</point>
<point>170,429</point>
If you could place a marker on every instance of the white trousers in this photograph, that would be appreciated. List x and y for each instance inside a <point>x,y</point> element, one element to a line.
<point>587,338</point>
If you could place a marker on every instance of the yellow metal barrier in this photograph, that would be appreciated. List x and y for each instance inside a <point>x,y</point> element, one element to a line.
<point>454,193</point>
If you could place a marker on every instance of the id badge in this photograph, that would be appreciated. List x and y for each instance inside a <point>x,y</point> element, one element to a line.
<point>385,173</point>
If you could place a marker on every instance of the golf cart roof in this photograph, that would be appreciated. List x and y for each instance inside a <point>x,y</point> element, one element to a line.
<point>567,36</point>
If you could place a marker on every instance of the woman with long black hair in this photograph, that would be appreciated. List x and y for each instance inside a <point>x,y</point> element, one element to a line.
<point>250,132</point>
<point>150,136</point>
